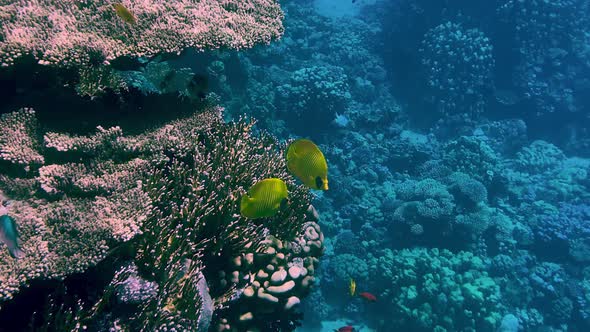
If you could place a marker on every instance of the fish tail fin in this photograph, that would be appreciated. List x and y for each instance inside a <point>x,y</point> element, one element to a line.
<point>16,252</point>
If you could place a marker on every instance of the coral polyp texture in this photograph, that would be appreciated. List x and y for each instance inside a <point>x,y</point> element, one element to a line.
<point>171,195</point>
<point>59,32</point>
<point>459,66</point>
<point>436,290</point>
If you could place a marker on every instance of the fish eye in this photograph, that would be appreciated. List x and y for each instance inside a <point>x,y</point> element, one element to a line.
<point>319,183</point>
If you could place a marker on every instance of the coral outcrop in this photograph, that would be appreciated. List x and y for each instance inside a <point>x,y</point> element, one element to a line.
<point>171,196</point>
<point>93,32</point>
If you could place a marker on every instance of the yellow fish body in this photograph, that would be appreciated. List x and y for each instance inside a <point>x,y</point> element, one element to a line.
<point>352,287</point>
<point>264,198</point>
<point>124,13</point>
<point>307,162</point>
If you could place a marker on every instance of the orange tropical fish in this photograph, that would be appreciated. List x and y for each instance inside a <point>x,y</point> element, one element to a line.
<point>368,296</point>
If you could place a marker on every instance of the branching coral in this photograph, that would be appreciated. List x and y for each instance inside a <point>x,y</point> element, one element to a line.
<point>545,33</point>
<point>472,156</point>
<point>69,215</point>
<point>539,157</point>
<point>467,191</point>
<point>66,33</point>
<point>179,187</point>
<point>18,139</point>
<point>196,190</point>
<point>565,234</point>
<point>425,202</point>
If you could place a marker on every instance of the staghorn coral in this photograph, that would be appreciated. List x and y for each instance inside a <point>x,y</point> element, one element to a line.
<point>18,141</point>
<point>194,228</point>
<point>59,32</point>
<point>69,215</point>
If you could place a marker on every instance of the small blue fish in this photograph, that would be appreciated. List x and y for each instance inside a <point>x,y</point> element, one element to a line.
<point>9,235</point>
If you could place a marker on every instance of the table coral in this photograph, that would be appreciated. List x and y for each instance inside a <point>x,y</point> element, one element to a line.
<point>65,33</point>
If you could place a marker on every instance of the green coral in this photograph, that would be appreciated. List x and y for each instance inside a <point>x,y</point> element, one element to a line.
<point>431,289</point>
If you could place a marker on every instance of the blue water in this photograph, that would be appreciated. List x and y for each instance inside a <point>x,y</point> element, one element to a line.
<point>457,135</point>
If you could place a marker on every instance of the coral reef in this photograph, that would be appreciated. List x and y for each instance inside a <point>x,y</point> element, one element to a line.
<point>436,290</point>
<point>458,64</point>
<point>456,135</point>
<point>170,196</point>
<point>65,33</point>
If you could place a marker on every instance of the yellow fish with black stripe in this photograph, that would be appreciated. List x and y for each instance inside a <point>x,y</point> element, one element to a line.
<point>307,162</point>
<point>264,199</point>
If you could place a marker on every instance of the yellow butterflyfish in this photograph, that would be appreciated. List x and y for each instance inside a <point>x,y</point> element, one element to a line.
<point>264,199</point>
<point>307,162</point>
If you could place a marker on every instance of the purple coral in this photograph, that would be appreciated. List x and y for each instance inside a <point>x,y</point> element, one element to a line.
<point>565,233</point>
